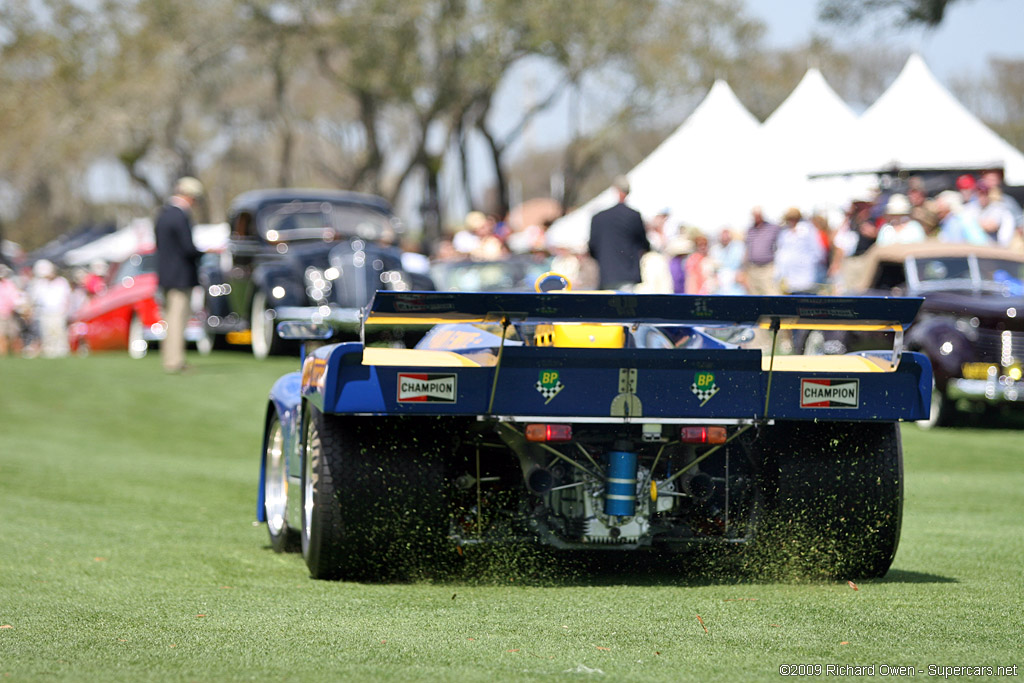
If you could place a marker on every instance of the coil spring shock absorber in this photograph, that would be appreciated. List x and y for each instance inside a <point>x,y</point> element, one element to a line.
<point>620,487</point>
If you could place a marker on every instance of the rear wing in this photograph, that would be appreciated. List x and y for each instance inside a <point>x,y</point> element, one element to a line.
<point>784,312</point>
<point>865,314</point>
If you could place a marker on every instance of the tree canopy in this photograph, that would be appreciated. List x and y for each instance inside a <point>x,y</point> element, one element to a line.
<point>382,96</point>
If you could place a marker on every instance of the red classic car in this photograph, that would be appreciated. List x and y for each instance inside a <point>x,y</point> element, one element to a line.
<point>126,313</point>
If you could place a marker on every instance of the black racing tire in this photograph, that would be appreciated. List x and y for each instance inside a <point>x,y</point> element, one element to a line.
<point>375,499</point>
<point>284,532</point>
<point>262,323</point>
<point>837,503</point>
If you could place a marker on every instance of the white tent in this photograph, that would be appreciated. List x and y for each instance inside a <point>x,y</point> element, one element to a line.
<point>917,124</point>
<point>697,172</point>
<point>806,132</point>
<point>114,247</point>
<point>812,152</point>
<point>138,236</point>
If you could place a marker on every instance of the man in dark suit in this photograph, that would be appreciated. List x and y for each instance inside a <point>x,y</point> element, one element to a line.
<point>177,267</point>
<point>617,241</point>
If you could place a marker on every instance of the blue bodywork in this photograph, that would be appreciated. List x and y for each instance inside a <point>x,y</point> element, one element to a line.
<point>681,373</point>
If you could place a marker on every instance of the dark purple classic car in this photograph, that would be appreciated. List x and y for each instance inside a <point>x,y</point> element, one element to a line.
<point>971,325</point>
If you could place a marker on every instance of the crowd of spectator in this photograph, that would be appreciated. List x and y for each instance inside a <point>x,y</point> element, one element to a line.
<point>794,253</point>
<point>37,302</point>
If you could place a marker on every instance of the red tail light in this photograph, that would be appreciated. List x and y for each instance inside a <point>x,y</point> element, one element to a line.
<point>702,435</point>
<point>541,432</point>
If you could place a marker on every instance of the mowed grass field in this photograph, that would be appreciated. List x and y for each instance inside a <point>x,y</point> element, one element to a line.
<point>128,552</point>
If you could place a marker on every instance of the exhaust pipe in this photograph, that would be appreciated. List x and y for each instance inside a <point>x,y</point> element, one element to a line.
<point>698,486</point>
<point>532,459</point>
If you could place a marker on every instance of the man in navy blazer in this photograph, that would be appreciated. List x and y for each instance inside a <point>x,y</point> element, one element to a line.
<point>177,267</point>
<point>617,241</point>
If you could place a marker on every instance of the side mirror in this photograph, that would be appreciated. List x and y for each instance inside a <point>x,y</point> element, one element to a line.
<point>312,335</point>
<point>298,330</point>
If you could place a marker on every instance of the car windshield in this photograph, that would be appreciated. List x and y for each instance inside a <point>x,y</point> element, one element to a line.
<point>137,264</point>
<point>289,221</point>
<point>969,272</point>
<point>489,276</point>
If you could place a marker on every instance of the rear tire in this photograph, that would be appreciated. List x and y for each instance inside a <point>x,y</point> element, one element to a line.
<point>838,501</point>
<point>375,504</point>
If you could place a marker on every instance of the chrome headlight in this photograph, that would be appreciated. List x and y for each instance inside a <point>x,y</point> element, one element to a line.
<point>968,327</point>
<point>318,286</point>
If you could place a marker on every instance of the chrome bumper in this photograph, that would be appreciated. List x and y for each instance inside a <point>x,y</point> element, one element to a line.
<point>156,333</point>
<point>340,318</point>
<point>993,390</point>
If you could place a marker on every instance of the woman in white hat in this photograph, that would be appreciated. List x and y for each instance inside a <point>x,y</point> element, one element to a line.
<point>899,228</point>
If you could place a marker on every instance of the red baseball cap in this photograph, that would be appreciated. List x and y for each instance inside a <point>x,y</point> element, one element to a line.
<point>965,182</point>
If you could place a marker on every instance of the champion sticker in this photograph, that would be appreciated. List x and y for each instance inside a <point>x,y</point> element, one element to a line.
<point>704,387</point>
<point>829,393</point>
<point>425,388</point>
<point>549,385</point>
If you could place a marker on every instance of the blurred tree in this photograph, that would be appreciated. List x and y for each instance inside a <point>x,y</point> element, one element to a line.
<point>372,95</point>
<point>857,74</point>
<point>998,98</point>
<point>1008,89</point>
<point>907,12</point>
<point>636,75</point>
<point>46,103</point>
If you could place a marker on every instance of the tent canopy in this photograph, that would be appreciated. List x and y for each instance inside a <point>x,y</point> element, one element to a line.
<point>918,124</point>
<point>812,152</point>
<point>693,173</point>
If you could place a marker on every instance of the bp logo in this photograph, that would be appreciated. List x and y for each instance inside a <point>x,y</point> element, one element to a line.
<point>704,386</point>
<point>549,385</point>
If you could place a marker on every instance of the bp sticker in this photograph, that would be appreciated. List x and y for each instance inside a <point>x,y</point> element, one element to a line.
<point>704,386</point>
<point>549,385</point>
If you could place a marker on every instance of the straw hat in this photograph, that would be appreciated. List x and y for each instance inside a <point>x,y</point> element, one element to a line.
<point>187,186</point>
<point>898,205</point>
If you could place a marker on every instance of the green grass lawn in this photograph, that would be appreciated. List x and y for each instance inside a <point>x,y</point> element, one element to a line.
<point>129,552</point>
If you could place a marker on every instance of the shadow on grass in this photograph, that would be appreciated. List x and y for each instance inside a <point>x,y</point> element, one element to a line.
<point>530,566</point>
<point>905,576</point>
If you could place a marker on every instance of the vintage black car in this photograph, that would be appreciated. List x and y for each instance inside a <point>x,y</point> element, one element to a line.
<point>971,324</point>
<point>310,255</point>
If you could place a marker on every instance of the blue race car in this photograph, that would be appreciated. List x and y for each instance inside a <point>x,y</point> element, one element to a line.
<point>592,421</point>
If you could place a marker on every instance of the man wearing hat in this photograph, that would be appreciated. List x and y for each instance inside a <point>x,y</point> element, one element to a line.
<point>177,267</point>
<point>618,239</point>
<point>900,228</point>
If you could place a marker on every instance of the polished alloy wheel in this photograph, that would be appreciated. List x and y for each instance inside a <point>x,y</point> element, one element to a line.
<point>275,486</point>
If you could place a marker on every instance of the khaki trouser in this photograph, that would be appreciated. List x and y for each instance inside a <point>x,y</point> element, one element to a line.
<point>761,280</point>
<point>178,310</point>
